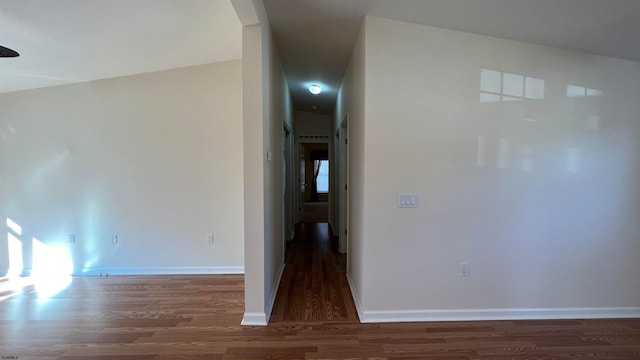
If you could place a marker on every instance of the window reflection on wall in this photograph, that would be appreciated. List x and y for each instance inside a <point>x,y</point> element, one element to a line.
<point>581,91</point>
<point>574,160</point>
<point>526,158</point>
<point>519,136</point>
<point>7,131</point>
<point>496,86</point>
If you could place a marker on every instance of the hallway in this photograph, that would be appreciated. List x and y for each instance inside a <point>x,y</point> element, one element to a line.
<point>315,212</point>
<point>314,285</point>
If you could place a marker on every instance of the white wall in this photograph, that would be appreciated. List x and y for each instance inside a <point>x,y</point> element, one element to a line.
<point>267,106</point>
<point>154,158</point>
<point>280,112</point>
<point>350,100</point>
<point>254,160</point>
<point>308,123</point>
<point>539,194</point>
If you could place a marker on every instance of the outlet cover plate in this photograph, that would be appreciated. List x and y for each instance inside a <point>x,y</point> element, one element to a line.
<point>463,269</point>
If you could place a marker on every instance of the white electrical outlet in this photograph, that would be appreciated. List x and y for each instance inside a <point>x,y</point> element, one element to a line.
<point>463,269</point>
<point>114,239</point>
<point>209,238</point>
<point>72,239</point>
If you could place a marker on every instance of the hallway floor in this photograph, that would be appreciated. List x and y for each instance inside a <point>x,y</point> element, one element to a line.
<point>315,212</point>
<point>314,285</point>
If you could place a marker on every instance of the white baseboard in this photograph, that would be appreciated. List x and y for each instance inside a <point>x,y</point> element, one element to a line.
<point>373,316</point>
<point>262,319</point>
<point>254,319</point>
<point>367,316</point>
<point>188,270</point>
<point>334,231</point>
<point>274,293</point>
<point>356,298</point>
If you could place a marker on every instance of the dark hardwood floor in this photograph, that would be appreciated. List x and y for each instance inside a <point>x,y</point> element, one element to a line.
<point>315,212</point>
<point>314,285</point>
<point>198,317</point>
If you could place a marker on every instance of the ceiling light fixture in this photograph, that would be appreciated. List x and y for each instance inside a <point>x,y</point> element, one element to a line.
<point>315,89</point>
<point>6,52</point>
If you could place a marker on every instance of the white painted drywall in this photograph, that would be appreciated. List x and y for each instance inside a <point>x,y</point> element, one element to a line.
<point>311,124</point>
<point>154,158</point>
<point>280,111</point>
<point>350,101</point>
<point>267,107</point>
<point>532,185</point>
<point>254,160</point>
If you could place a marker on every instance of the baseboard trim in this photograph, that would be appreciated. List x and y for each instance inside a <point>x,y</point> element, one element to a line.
<point>367,316</point>
<point>356,298</point>
<point>262,319</point>
<point>333,229</point>
<point>188,270</point>
<point>274,293</point>
<point>254,319</point>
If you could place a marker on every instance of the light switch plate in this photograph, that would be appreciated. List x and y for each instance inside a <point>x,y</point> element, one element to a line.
<point>407,200</point>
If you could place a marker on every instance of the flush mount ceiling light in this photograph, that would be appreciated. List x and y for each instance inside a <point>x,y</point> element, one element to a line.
<point>6,52</point>
<point>315,89</point>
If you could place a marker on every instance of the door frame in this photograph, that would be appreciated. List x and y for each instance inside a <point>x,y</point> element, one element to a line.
<point>301,140</point>
<point>288,187</point>
<point>343,181</point>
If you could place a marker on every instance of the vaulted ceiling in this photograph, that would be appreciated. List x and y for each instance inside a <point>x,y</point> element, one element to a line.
<point>67,41</point>
<point>315,37</point>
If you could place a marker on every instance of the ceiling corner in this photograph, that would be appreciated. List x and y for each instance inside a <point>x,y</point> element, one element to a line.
<point>250,12</point>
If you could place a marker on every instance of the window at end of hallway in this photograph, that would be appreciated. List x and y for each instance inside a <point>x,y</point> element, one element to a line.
<point>323,177</point>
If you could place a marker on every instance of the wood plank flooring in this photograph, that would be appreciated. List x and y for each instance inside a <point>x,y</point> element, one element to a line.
<point>315,212</point>
<point>198,317</point>
<point>314,284</point>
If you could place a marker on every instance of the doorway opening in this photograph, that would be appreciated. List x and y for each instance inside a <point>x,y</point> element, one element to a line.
<point>314,285</point>
<point>314,182</point>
